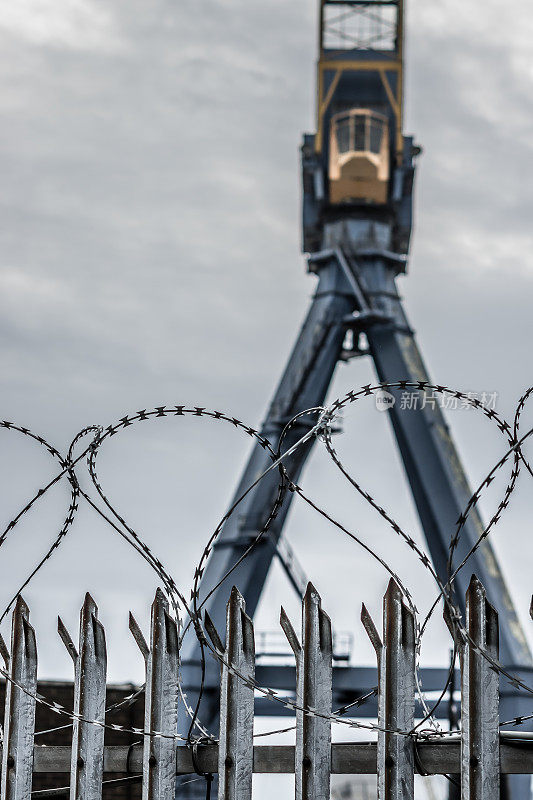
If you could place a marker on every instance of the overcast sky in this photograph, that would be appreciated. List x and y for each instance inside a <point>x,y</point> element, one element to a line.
<point>150,255</point>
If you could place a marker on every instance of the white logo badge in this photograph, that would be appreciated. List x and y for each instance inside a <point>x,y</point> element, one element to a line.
<point>384,400</point>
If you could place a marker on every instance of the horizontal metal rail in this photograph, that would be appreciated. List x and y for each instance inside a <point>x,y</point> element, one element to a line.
<point>358,758</point>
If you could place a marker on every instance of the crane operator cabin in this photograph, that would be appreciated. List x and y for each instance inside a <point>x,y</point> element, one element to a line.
<point>359,159</point>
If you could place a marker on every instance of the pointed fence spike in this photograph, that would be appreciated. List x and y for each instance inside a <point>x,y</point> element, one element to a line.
<point>314,674</point>
<point>325,635</point>
<point>171,629</point>
<point>161,704</point>
<point>235,753</point>
<point>248,637</point>
<point>396,695</point>
<point>4,652</point>
<point>531,608</point>
<point>290,633</point>
<point>449,612</point>
<point>99,638</point>
<point>447,617</point>
<point>213,633</point>
<point>160,597</point>
<point>372,631</point>
<point>66,639</point>
<point>89,605</point>
<point>393,590</point>
<point>19,719</point>
<point>138,636</point>
<point>90,666</point>
<point>235,596</point>
<point>480,742</point>
<point>310,590</point>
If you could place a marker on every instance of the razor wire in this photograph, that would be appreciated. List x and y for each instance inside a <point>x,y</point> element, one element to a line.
<point>322,431</point>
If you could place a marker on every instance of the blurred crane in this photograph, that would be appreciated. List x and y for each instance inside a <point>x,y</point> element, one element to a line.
<point>357,171</point>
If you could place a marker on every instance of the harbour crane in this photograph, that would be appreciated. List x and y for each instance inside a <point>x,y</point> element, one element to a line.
<point>358,169</point>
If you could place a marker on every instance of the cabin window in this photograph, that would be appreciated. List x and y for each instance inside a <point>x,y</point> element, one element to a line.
<point>376,134</point>
<point>359,132</point>
<point>343,135</point>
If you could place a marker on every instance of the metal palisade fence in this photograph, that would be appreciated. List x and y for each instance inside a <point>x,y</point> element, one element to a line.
<point>479,752</point>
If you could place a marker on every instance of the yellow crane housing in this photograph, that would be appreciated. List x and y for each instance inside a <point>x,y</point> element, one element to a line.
<point>359,157</point>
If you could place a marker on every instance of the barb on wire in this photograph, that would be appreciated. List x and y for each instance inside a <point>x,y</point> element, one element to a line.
<point>189,613</point>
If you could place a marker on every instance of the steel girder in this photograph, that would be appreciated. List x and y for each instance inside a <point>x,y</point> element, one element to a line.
<point>347,281</point>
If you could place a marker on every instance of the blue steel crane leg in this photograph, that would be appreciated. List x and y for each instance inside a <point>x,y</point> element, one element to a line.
<point>304,384</point>
<point>438,484</point>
